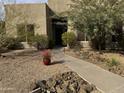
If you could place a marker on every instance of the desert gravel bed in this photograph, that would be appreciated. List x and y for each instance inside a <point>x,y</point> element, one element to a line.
<point>19,74</point>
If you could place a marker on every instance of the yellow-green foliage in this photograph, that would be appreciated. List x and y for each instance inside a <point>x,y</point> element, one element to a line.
<point>68,38</point>
<point>113,62</point>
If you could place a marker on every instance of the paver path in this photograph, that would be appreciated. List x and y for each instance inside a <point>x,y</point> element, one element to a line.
<point>104,80</point>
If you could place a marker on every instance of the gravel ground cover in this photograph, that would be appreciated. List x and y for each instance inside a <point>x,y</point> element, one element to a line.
<point>19,74</point>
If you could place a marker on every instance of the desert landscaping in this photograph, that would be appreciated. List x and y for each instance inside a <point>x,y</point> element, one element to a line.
<point>62,46</point>
<point>111,61</point>
<point>19,74</point>
<point>26,72</point>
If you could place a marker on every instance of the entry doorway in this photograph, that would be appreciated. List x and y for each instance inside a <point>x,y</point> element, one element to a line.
<point>59,27</point>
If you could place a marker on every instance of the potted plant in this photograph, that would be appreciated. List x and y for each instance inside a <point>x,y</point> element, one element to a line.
<point>46,57</point>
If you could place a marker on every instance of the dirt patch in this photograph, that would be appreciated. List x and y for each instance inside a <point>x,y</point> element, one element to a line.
<point>19,73</point>
<point>68,82</point>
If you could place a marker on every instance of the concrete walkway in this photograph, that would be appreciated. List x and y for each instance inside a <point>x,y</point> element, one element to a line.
<point>105,81</point>
<point>18,52</point>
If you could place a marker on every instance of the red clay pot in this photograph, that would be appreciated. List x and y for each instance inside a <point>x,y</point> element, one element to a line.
<point>46,61</point>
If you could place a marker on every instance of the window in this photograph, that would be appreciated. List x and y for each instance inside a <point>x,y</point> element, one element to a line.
<point>114,38</point>
<point>21,32</point>
<point>25,32</point>
<point>30,31</point>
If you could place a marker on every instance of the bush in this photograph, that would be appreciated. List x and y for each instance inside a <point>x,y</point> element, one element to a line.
<point>113,62</point>
<point>40,41</point>
<point>68,38</point>
<point>13,44</point>
<point>9,43</point>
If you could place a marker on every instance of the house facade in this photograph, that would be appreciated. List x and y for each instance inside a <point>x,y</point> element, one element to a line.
<point>37,19</point>
<point>43,19</point>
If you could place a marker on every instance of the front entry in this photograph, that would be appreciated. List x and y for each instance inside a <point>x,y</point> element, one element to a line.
<point>59,27</point>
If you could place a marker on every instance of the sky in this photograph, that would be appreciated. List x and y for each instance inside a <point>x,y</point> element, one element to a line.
<point>30,1</point>
<point>23,1</point>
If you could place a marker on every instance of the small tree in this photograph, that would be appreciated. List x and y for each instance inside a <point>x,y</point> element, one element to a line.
<point>96,18</point>
<point>68,38</point>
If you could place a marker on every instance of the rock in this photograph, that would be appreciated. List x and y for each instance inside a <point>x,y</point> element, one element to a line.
<point>72,81</point>
<point>67,76</point>
<point>59,90</point>
<point>65,88</point>
<point>68,90</point>
<point>82,90</point>
<point>119,72</point>
<point>42,84</point>
<point>52,90</point>
<point>51,82</point>
<point>48,91</point>
<point>81,82</point>
<point>109,69</point>
<point>122,75</point>
<point>74,87</point>
<point>59,82</point>
<point>88,88</point>
<point>68,82</point>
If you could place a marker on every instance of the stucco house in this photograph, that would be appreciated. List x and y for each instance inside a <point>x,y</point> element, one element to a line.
<point>37,19</point>
<point>41,19</point>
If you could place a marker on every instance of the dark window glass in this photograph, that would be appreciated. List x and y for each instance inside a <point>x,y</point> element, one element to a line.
<point>25,32</point>
<point>114,38</point>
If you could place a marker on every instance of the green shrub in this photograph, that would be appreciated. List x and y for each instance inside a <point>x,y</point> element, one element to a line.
<point>68,38</point>
<point>9,43</point>
<point>39,41</point>
<point>113,62</point>
<point>13,43</point>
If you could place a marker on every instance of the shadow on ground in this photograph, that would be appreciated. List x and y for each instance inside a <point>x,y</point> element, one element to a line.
<point>57,62</point>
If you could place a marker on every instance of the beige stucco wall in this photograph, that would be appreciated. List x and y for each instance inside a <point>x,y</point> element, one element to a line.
<point>37,14</point>
<point>59,6</point>
<point>28,14</point>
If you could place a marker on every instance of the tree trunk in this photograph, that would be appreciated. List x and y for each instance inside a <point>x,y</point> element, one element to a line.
<point>68,46</point>
<point>26,34</point>
<point>99,47</point>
